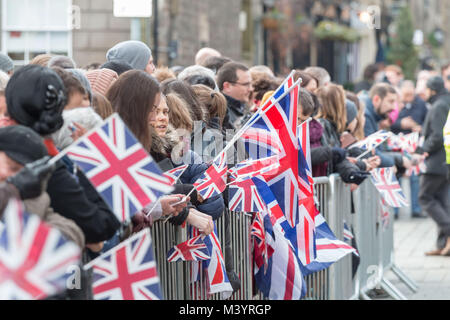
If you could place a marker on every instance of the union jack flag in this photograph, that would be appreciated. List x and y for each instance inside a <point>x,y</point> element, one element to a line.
<point>373,140</point>
<point>384,213</point>
<point>281,278</point>
<point>290,183</point>
<point>214,269</point>
<point>259,141</point>
<point>252,168</point>
<point>404,143</point>
<point>348,235</point>
<point>34,258</point>
<point>244,197</point>
<point>294,234</point>
<point>127,272</point>
<point>192,250</point>
<point>174,174</point>
<point>262,251</point>
<point>387,184</point>
<point>214,180</point>
<point>119,167</point>
<point>304,138</point>
<point>417,169</point>
<point>329,248</point>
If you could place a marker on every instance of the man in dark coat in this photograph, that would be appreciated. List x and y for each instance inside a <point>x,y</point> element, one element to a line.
<point>434,184</point>
<point>235,82</point>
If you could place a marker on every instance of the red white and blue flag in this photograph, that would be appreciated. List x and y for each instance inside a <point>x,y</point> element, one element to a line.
<point>329,248</point>
<point>348,235</point>
<point>214,269</point>
<point>384,213</point>
<point>277,271</point>
<point>252,168</point>
<point>119,167</point>
<point>290,183</point>
<point>417,169</point>
<point>127,272</point>
<point>214,180</point>
<point>387,184</point>
<point>174,174</point>
<point>34,258</point>
<point>262,251</point>
<point>373,140</point>
<point>295,235</point>
<point>194,249</point>
<point>244,197</point>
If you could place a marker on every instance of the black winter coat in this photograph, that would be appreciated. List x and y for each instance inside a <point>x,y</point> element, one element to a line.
<point>80,202</point>
<point>433,131</point>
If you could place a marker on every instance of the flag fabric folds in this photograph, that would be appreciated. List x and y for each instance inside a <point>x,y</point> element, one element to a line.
<point>387,184</point>
<point>34,258</point>
<point>329,248</point>
<point>119,167</point>
<point>174,174</point>
<point>128,271</point>
<point>278,275</point>
<point>214,180</point>
<point>193,249</point>
<point>372,141</point>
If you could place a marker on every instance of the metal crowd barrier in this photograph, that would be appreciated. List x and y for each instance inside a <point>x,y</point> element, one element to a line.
<point>375,247</point>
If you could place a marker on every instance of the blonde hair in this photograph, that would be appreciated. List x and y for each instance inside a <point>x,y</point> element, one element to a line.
<point>101,105</point>
<point>42,59</point>
<point>332,100</point>
<point>179,116</point>
<point>165,73</point>
<point>214,102</point>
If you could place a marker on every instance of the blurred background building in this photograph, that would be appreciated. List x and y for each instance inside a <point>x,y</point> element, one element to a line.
<point>343,36</point>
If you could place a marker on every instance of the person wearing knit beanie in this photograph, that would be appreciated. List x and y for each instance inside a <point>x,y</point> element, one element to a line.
<point>35,98</point>
<point>136,53</point>
<point>6,64</point>
<point>81,76</point>
<point>101,80</point>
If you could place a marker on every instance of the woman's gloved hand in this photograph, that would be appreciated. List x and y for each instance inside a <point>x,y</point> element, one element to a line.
<point>32,179</point>
<point>339,155</point>
<point>357,177</point>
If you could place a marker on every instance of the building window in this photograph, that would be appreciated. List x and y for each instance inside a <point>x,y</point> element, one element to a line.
<point>33,27</point>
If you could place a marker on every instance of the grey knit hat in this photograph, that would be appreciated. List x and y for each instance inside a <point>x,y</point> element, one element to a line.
<point>6,63</point>
<point>81,76</point>
<point>352,111</point>
<point>136,53</point>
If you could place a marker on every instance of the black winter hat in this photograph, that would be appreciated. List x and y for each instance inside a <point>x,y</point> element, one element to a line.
<point>35,97</point>
<point>22,144</point>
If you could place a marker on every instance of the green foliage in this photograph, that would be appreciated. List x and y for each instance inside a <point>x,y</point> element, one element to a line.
<point>402,51</point>
<point>329,30</point>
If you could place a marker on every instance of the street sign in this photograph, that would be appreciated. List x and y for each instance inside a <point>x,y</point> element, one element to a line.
<point>133,8</point>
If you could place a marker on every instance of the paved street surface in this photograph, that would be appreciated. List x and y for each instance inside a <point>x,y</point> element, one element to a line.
<point>412,238</point>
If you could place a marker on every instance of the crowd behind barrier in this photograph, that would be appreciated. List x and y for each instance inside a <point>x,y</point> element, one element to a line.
<point>375,245</point>
<point>350,139</point>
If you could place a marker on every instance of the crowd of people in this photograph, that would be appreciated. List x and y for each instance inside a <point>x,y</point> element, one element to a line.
<point>48,104</point>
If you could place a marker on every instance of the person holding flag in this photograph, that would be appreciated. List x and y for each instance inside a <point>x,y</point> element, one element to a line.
<point>167,151</point>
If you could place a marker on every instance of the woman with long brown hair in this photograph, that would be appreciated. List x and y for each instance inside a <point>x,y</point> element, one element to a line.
<point>333,118</point>
<point>134,96</point>
<point>332,114</point>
